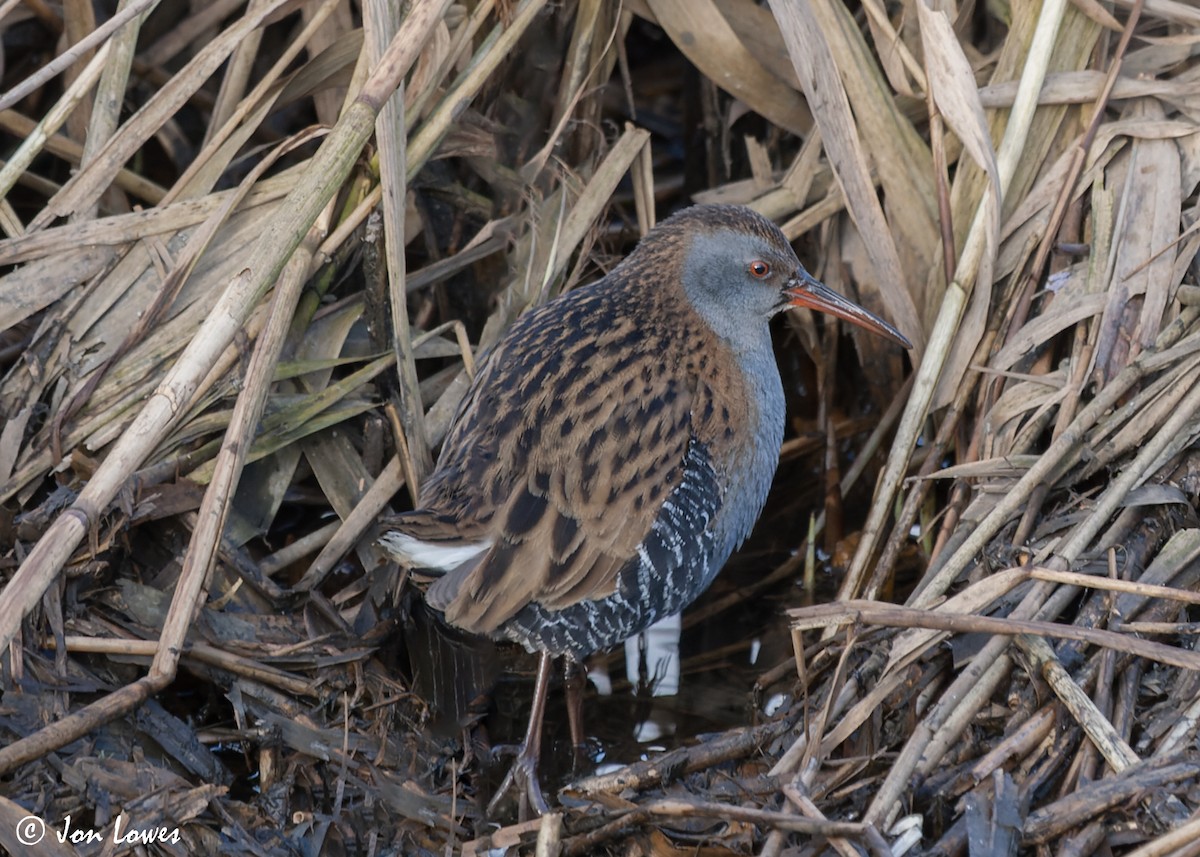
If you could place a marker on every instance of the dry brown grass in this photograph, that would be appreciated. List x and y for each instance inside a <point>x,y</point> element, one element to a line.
<point>217,371</point>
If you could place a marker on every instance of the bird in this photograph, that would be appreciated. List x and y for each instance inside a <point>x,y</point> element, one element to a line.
<point>614,448</point>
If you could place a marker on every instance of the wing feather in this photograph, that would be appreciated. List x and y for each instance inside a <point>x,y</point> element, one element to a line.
<point>577,520</point>
<point>569,441</point>
<point>593,451</point>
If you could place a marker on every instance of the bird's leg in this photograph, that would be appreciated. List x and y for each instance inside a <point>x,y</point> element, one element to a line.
<point>523,774</point>
<point>574,683</point>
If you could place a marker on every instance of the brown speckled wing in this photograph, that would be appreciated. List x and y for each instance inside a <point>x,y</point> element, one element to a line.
<point>568,443</point>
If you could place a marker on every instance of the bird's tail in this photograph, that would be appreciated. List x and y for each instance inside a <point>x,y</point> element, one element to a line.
<point>426,540</point>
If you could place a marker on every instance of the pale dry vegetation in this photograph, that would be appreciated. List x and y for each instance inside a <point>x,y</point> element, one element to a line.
<point>242,286</point>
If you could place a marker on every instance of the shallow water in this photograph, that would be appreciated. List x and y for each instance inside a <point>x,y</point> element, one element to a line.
<point>627,720</point>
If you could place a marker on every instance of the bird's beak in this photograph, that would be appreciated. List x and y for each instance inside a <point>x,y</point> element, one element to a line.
<point>804,290</point>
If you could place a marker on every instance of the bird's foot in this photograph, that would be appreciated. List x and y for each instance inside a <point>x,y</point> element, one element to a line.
<point>522,778</point>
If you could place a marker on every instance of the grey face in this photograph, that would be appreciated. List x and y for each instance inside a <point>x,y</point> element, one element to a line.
<point>736,281</point>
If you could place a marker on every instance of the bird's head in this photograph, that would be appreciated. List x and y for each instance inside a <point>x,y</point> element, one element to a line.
<point>739,270</point>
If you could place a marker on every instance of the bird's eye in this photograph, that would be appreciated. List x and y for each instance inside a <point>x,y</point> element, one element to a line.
<point>759,269</point>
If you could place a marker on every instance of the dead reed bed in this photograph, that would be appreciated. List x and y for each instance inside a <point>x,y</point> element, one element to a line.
<point>251,252</point>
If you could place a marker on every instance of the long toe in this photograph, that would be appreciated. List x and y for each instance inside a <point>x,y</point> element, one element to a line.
<point>533,802</point>
<point>522,778</point>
